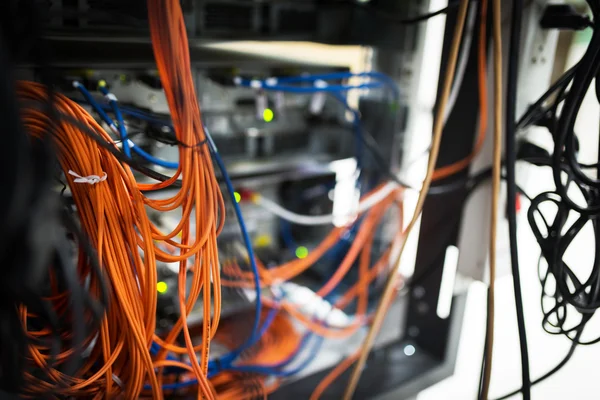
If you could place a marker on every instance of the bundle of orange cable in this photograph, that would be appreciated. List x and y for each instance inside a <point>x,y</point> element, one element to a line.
<point>112,211</point>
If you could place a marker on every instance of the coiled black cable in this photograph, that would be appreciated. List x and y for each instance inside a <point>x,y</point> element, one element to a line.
<point>568,302</point>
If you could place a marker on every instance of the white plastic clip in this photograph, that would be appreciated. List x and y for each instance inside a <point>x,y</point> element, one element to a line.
<point>320,84</point>
<point>92,179</point>
<point>110,97</point>
<point>255,84</point>
<point>317,102</point>
<point>271,81</point>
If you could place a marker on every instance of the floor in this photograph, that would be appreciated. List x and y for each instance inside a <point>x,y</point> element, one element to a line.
<point>579,379</point>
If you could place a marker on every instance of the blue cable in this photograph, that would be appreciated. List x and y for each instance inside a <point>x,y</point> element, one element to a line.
<point>146,116</point>
<point>388,81</point>
<point>128,143</point>
<point>134,112</point>
<point>112,101</point>
<point>269,369</point>
<point>90,99</point>
<point>227,359</point>
<point>309,90</point>
<point>275,371</point>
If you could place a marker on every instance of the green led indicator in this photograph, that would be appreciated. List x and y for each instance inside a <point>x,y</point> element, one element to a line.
<point>301,252</point>
<point>162,287</point>
<point>268,115</point>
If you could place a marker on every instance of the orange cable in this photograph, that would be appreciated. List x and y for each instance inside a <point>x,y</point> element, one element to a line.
<point>456,167</point>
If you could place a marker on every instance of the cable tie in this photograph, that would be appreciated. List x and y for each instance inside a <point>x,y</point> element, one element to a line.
<point>91,179</point>
<point>110,97</point>
<point>237,80</point>
<point>256,84</point>
<point>271,81</point>
<point>193,146</point>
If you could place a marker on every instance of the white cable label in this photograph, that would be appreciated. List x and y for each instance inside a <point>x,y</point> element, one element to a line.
<point>346,196</point>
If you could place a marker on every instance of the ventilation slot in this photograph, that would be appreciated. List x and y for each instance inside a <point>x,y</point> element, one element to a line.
<point>226,17</point>
<point>117,13</point>
<point>297,21</point>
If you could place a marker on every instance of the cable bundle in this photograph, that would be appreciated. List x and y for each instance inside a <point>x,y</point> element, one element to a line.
<point>54,294</point>
<point>112,219</point>
<point>124,357</point>
<point>577,203</point>
<point>112,211</point>
<point>558,216</point>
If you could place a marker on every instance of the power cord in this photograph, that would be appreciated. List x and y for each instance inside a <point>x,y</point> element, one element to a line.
<point>511,196</point>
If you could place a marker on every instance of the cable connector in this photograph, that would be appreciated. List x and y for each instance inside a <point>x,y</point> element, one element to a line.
<point>564,16</point>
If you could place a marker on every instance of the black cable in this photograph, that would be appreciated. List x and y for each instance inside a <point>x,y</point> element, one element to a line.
<point>411,20</point>
<point>511,196</point>
<point>554,370</point>
<point>537,107</point>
